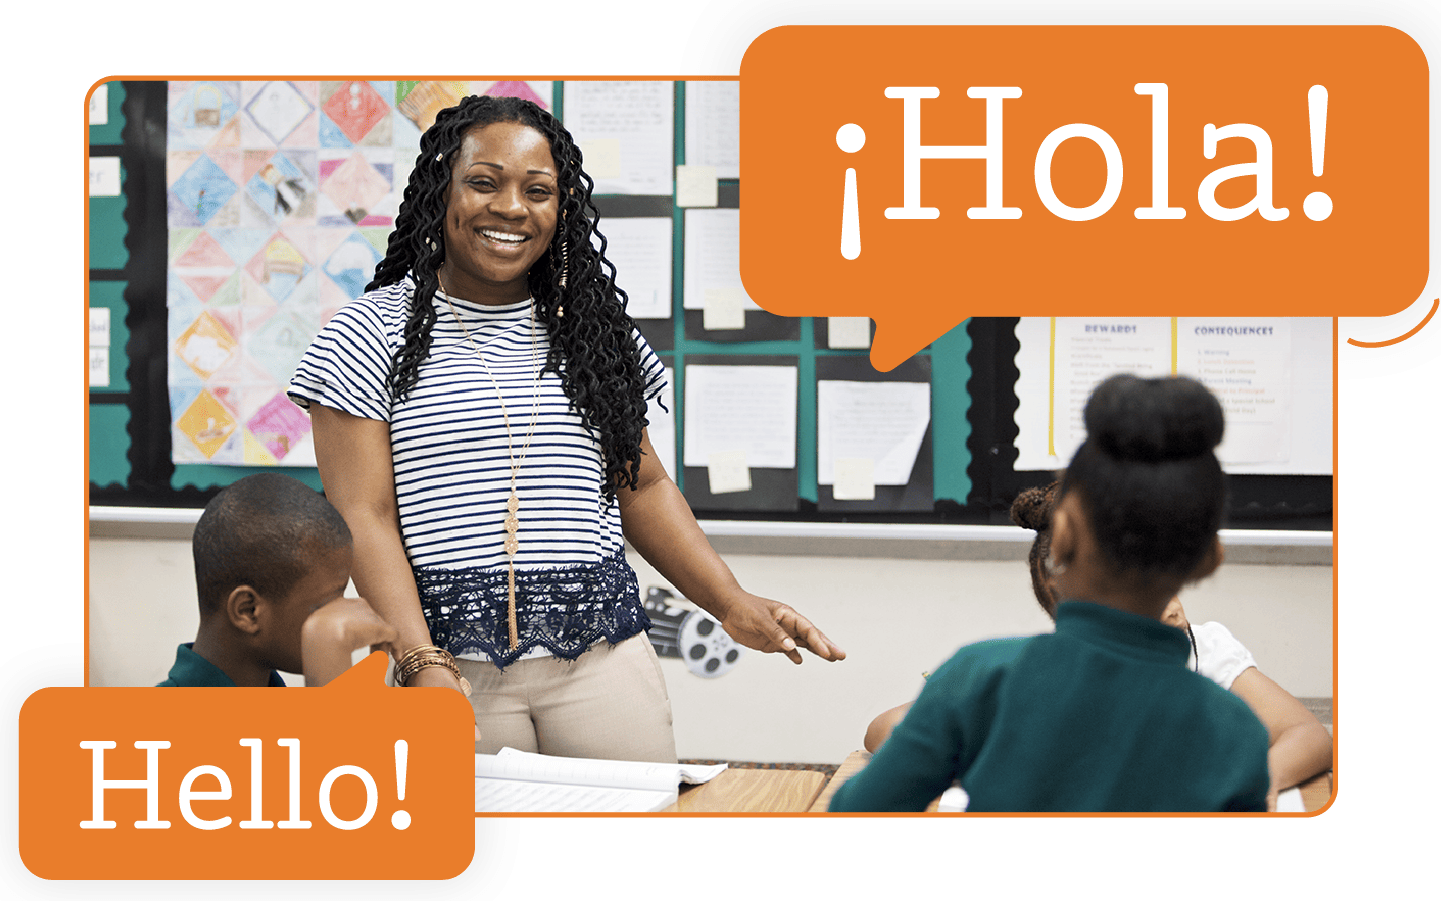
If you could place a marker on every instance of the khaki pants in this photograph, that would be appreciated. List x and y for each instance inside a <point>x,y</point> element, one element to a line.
<point>610,702</point>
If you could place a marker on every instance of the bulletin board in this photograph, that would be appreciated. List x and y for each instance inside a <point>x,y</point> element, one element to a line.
<point>963,465</point>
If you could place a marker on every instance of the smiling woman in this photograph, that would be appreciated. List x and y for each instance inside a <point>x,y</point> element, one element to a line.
<point>479,420</point>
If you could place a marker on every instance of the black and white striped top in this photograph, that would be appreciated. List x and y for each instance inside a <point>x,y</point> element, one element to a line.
<point>452,456</point>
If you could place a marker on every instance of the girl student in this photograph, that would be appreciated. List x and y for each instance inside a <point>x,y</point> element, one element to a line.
<point>1103,714</point>
<point>1300,746</point>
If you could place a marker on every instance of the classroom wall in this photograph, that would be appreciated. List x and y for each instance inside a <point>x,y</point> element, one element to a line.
<point>895,619</point>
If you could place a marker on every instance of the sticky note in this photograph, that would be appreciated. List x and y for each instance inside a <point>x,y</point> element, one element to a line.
<point>725,308</point>
<point>696,186</point>
<point>855,479</point>
<point>847,332</point>
<point>728,472</point>
<point>105,176</point>
<point>602,157</point>
<point>99,367</point>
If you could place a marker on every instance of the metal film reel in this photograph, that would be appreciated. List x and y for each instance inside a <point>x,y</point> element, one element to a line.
<point>705,647</point>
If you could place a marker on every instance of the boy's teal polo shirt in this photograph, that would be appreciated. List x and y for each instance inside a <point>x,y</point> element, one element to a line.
<point>193,671</point>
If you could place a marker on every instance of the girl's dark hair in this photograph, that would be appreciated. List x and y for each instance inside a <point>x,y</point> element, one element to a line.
<point>1032,510</point>
<point>592,346</point>
<point>1150,485</point>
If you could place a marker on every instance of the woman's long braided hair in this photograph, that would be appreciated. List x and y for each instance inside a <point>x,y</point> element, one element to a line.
<point>592,346</point>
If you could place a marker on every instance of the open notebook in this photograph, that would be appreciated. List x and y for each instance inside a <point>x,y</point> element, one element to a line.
<point>520,782</point>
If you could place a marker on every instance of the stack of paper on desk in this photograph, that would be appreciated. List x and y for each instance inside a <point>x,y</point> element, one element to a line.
<point>520,782</point>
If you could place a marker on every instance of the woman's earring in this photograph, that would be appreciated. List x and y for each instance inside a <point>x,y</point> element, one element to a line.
<point>564,277</point>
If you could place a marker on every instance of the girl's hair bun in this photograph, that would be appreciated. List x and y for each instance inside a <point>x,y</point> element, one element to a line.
<point>1032,507</point>
<point>1154,420</point>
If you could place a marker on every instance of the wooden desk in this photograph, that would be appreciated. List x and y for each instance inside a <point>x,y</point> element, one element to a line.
<point>1315,793</point>
<point>853,764</point>
<point>752,791</point>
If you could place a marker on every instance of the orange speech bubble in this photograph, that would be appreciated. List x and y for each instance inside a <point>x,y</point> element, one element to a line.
<point>350,781</point>
<point>947,172</point>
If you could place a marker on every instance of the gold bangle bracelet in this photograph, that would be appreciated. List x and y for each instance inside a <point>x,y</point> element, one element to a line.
<point>422,656</point>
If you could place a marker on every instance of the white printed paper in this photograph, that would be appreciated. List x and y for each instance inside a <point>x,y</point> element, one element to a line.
<point>638,117</point>
<point>746,408</point>
<point>104,176</point>
<point>1247,364</point>
<point>640,248</point>
<point>1064,367</point>
<point>712,255</point>
<point>712,125</point>
<point>99,326</point>
<point>99,367</point>
<point>1278,404</point>
<point>884,422</point>
<point>100,105</point>
<point>660,423</point>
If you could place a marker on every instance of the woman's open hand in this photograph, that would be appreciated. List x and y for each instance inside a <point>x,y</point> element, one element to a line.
<point>770,626</point>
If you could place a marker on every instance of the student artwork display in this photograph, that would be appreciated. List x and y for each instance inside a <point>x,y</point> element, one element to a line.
<point>280,198</point>
<point>1272,376</point>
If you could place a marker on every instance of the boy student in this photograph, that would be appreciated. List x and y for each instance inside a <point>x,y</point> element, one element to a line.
<point>272,558</point>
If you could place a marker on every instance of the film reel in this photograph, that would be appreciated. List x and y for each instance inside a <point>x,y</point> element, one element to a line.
<point>692,635</point>
<point>706,648</point>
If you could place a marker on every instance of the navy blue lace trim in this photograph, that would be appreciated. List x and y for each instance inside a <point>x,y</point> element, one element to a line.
<point>564,610</point>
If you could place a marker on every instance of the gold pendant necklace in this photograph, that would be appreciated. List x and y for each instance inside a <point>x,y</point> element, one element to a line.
<point>512,503</point>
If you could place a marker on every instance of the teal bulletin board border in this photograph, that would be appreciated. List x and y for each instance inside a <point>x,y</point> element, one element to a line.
<point>108,444</point>
<point>107,231</point>
<point>109,133</point>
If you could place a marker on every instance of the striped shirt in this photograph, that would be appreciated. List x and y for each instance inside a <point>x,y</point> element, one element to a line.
<point>452,455</point>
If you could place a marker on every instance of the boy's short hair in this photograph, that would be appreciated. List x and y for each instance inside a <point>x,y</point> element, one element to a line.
<point>263,531</point>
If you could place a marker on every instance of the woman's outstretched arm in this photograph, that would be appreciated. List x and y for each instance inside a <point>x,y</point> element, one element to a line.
<point>659,524</point>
